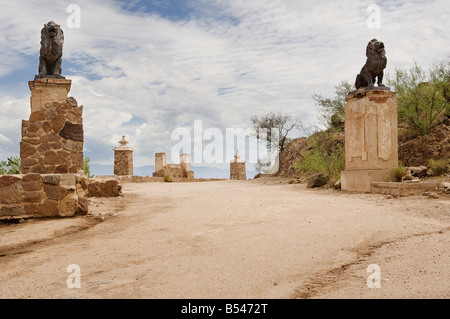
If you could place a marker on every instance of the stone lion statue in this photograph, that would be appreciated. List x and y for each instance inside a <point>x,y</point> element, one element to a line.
<point>52,38</point>
<point>374,67</point>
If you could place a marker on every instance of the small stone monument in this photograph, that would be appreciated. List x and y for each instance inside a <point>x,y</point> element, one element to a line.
<point>237,168</point>
<point>51,182</point>
<point>123,159</point>
<point>371,145</point>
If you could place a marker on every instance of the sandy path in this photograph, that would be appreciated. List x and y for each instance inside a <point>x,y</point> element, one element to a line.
<point>234,239</point>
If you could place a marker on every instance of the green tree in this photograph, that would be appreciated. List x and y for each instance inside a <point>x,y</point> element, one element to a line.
<point>332,110</point>
<point>423,96</point>
<point>86,167</point>
<point>11,166</point>
<point>283,124</point>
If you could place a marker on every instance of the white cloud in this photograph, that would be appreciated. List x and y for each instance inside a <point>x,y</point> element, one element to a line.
<point>230,60</point>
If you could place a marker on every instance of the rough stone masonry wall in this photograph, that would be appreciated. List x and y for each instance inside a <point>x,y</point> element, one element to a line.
<point>123,162</point>
<point>237,171</point>
<point>52,139</point>
<point>174,170</point>
<point>36,195</point>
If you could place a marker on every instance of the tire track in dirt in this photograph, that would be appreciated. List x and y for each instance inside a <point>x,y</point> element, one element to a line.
<point>326,280</point>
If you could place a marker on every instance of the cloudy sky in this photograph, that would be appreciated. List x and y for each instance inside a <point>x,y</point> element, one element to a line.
<point>145,68</point>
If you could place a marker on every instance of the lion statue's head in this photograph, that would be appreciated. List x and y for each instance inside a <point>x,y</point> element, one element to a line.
<point>375,47</point>
<point>52,39</point>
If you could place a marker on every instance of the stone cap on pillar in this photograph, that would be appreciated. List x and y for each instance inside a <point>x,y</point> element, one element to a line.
<point>123,145</point>
<point>237,158</point>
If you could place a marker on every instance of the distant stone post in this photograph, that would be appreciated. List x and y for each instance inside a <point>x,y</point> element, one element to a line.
<point>237,168</point>
<point>123,159</point>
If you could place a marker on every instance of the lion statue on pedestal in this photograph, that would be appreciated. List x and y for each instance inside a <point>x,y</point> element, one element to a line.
<point>52,38</point>
<point>374,67</point>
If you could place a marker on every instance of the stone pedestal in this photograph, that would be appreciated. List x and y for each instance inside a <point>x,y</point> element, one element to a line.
<point>371,145</point>
<point>123,159</point>
<point>52,138</point>
<point>237,169</point>
<point>48,90</point>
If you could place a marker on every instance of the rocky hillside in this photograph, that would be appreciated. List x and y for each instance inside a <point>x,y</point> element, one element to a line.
<point>413,152</point>
<point>419,150</point>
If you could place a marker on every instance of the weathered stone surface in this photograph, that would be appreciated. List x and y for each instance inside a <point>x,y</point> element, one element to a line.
<point>77,159</point>
<point>29,161</point>
<point>371,132</point>
<point>72,132</point>
<point>44,147</point>
<point>73,146</point>
<point>83,206</point>
<point>32,185</point>
<point>55,192</point>
<point>68,205</point>
<point>56,145</point>
<point>52,158</point>
<point>10,195</point>
<point>61,169</point>
<point>51,179</point>
<point>6,180</point>
<point>34,141</point>
<point>317,180</point>
<point>34,169</point>
<point>32,196</point>
<point>46,127</point>
<point>419,171</point>
<point>104,188</point>
<point>37,116</point>
<point>26,150</point>
<point>11,211</point>
<point>32,177</point>
<point>49,208</point>
<point>57,123</point>
<point>30,208</point>
<point>72,102</point>
<point>34,127</point>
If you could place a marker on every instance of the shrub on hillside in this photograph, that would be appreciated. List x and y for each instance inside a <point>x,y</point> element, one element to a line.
<point>439,166</point>
<point>326,156</point>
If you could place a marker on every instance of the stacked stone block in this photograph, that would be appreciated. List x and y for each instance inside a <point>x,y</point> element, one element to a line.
<point>52,138</point>
<point>123,159</point>
<point>47,195</point>
<point>237,169</point>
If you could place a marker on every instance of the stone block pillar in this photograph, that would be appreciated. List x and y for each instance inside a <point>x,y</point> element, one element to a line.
<point>52,138</point>
<point>185,162</point>
<point>160,162</point>
<point>371,145</point>
<point>237,168</point>
<point>123,159</point>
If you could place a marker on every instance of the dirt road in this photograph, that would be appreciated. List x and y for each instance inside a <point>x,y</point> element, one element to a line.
<point>233,239</point>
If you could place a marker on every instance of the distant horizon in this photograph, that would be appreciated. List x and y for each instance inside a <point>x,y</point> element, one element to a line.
<point>148,170</point>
